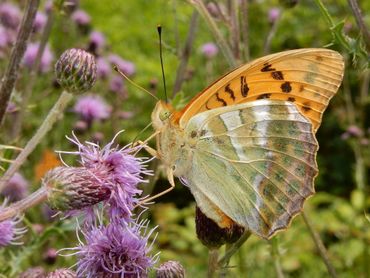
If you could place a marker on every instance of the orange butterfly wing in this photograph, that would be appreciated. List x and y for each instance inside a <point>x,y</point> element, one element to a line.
<point>308,77</point>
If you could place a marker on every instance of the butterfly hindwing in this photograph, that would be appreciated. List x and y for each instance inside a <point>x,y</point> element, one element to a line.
<point>306,77</point>
<point>254,161</point>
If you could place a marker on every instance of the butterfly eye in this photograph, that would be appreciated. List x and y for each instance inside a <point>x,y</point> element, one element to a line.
<point>164,115</point>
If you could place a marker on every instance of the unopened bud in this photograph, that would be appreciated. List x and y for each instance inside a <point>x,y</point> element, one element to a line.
<point>170,269</point>
<point>76,70</point>
<point>73,188</point>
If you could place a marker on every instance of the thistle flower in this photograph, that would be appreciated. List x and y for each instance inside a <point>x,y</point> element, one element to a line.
<point>103,68</point>
<point>30,57</point>
<point>125,66</point>
<point>76,70</point>
<point>39,22</point>
<point>96,41</point>
<point>16,188</point>
<point>92,108</point>
<point>209,50</point>
<point>106,174</point>
<point>273,14</point>
<point>10,15</point>
<point>81,18</point>
<point>116,84</point>
<point>62,273</point>
<point>116,250</point>
<point>170,269</point>
<point>50,256</point>
<point>9,233</point>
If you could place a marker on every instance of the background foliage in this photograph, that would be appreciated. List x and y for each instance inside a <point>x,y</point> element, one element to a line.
<point>339,208</point>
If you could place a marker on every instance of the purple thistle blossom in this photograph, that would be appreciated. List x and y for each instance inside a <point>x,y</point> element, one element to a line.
<point>39,22</point>
<point>91,108</point>
<point>96,41</point>
<point>62,273</point>
<point>273,14</point>
<point>116,171</point>
<point>81,18</point>
<point>16,188</point>
<point>209,50</point>
<point>103,68</point>
<point>116,84</point>
<point>125,66</point>
<point>30,57</point>
<point>10,15</point>
<point>116,250</point>
<point>9,233</point>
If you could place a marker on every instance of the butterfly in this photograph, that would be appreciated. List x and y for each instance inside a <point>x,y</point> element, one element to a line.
<point>245,146</point>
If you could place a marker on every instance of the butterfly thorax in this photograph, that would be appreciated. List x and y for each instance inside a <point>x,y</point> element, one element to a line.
<point>173,145</point>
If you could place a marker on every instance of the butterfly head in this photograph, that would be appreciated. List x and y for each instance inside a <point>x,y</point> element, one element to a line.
<point>161,114</point>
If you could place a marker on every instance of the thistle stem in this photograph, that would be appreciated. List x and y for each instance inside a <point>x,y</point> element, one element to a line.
<point>199,5</point>
<point>49,121</point>
<point>360,22</point>
<point>33,74</point>
<point>234,248</point>
<point>185,55</point>
<point>11,73</point>
<point>22,205</point>
<point>245,29</point>
<point>212,262</point>
<point>319,245</point>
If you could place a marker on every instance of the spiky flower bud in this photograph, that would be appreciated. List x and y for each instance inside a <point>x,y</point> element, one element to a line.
<point>72,188</point>
<point>34,272</point>
<point>211,235</point>
<point>62,273</point>
<point>170,269</point>
<point>76,70</point>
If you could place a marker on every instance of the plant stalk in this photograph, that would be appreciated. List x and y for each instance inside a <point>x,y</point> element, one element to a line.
<point>185,55</point>
<point>11,72</point>
<point>319,245</point>
<point>234,248</point>
<point>33,74</point>
<point>19,207</point>
<point>49,121</point>
<point>212,263</point>
<point>360,22</point>
<point>199,5</point>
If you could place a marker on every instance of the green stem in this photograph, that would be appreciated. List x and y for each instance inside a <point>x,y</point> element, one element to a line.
<point>199,5</point>
<point>230,252</point>
<point>319,245</point>
<point>49,121</point>
<point>22,205</point>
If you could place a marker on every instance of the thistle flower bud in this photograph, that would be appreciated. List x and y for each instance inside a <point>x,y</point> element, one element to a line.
<point>170,269</point>
<point>34,272</point>
<point>211,235</point>
<point>62,273</point>
<point>72,188</point>
<point>76,70</point>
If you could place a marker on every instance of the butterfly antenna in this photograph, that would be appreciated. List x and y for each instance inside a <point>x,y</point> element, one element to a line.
<point>132,82</point>
<point>159,29</point>
<point>140,132</point>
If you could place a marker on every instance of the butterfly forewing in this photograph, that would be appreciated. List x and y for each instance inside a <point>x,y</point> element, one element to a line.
<point>306,77</point>
<point>255,162</point>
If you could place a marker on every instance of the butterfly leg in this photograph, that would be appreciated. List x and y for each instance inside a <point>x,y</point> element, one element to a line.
<point>150,150</point>
<point>172,186</point>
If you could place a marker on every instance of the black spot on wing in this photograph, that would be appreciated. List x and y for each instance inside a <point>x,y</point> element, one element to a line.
<point>286,87</point>
<point>243,86</point>
<point>221,100</point>
<point>277,75</point>
<point>230,92</point>
<point>291,99</point>
<point>267,67</point>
